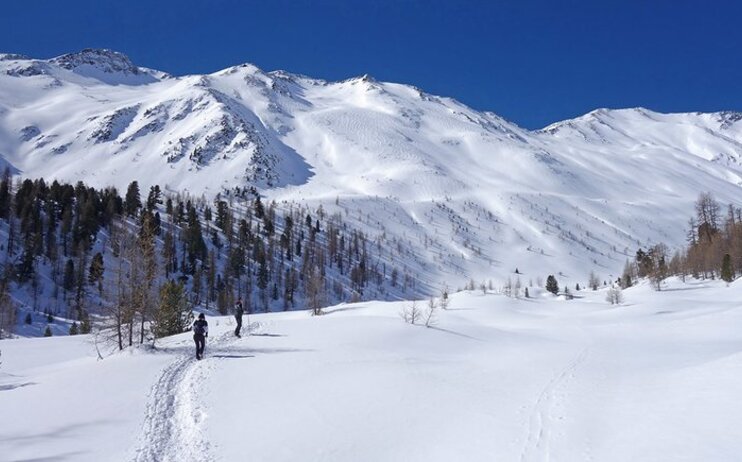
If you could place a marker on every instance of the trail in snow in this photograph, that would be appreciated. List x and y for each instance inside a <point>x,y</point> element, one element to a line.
<point>175,422</point>
<point>542,418</point>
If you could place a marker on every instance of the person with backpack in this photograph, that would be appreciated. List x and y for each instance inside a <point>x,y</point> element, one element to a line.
<point>238,311</point>
<point>200,332</point>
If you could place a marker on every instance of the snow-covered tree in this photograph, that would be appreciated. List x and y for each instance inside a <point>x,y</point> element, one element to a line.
<point>614,296</point>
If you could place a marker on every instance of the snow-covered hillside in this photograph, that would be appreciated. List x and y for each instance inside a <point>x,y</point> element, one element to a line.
<point>496,378</point>
<point>475,195</point>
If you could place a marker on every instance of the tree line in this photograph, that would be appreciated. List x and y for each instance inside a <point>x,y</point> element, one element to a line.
<point>713,250</point>
<point>135,265</point>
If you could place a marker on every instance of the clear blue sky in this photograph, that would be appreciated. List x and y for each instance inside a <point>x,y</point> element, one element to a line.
<point>533,62</point>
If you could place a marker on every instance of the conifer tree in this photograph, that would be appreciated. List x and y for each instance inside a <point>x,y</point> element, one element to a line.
<point>727,272</point>
<point>552,285</point>
<point>173,315</point>
<point>95,272</point>
<point>69,276</point>
<point>5,197</point>
<point>154,197</point>
<point>133,202</point>
<point>85,325</point>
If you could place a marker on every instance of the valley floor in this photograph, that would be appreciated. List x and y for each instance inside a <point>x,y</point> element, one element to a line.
<point>657,378</point>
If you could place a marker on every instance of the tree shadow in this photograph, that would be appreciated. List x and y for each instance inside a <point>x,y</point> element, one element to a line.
<point>233,353</point>
<point>458,334</point>
<point>326,312</point>
<point>55,458</point>
<point>66,432</point>
<point>681,289</point>
<point>13,386</point>
<point>232,356</point>
<point>276,350</point>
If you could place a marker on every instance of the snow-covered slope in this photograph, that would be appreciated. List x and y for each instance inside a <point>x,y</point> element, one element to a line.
<point>475,195</point>
<point>657,378</point>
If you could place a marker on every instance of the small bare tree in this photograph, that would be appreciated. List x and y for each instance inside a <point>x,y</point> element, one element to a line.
<point>444,298</point>
<point>314,294</point>
<point>430,315</point>
<point>507,289</point>
<point>411,314</point>
<point>593,281</point>
<point>517,287</point>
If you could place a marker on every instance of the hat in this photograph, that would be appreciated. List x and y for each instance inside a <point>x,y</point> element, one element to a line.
<point>201,316</point>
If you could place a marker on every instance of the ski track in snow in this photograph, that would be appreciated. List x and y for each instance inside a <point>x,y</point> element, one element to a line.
<point>175,421</point>
<point>542,418</point>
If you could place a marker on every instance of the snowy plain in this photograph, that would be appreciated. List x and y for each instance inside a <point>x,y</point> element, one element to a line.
<point>496,378</point>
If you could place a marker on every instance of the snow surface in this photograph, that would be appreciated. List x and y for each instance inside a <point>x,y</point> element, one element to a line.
<point>656,378</point>
<point>474,195</point>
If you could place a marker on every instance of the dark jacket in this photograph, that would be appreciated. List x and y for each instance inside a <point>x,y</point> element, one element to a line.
<point>201,327</point>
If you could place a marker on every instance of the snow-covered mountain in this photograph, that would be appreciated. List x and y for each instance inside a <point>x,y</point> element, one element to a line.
<point>473,194</point>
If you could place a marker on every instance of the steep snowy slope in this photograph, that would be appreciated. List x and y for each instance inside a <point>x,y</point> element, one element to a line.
<point>473,195</point>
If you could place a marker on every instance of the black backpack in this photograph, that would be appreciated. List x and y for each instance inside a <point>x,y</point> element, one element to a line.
<point>198,327</point>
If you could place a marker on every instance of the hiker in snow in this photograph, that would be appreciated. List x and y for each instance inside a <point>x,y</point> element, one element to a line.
<point>200,332</point>
<point>238,310</point>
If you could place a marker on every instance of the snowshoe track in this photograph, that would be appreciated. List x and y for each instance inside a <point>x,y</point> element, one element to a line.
<point>541,419</point>
<point>174,423</point>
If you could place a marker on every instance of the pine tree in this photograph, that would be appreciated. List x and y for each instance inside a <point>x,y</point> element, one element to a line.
<point>627,275</point>
<point>85,325</point>
<point>258,207</point>
<point>146,260</point>
<point>48,332</point>
<point>154,197</point>
<point>174,315</point>
<point>132,203</point>
<point>69,276</point>
<point>95,273</point>
<point>552,285</point>
<point>194,241</point>
<point>73,329</point>
<point>7,311</point>
<point>727,272</point>
<point>5,197</point>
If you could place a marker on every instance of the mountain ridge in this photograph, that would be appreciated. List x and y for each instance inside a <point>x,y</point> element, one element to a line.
<point>477,193</point>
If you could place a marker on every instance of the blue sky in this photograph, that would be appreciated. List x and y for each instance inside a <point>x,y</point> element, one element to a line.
<point>532,62</point>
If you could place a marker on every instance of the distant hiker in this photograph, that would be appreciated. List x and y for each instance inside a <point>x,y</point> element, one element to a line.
<point>200,332</point>
<point>238,311</point>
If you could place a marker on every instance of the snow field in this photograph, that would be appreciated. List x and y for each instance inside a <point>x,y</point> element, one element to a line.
<point>535,379</point>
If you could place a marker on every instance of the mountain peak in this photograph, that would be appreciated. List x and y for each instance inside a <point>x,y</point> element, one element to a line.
<point>12,57</point>
<point>108,61</point>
